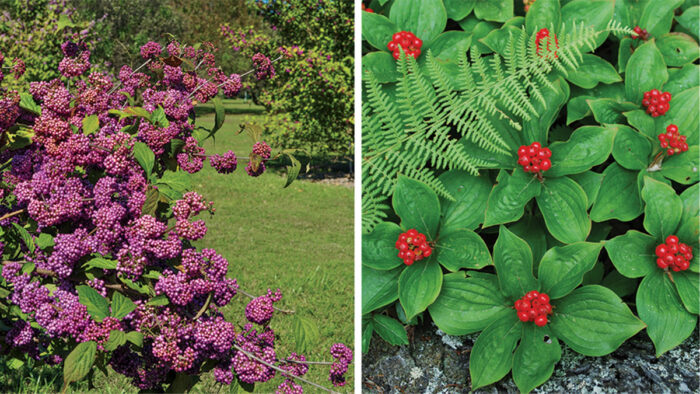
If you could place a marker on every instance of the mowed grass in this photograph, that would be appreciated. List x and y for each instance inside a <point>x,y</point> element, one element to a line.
<point>298,239</point>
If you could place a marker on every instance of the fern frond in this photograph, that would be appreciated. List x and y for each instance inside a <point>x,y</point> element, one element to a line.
<point>415,130</point>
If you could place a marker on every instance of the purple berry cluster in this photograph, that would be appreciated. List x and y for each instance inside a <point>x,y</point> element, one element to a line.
<point>260,154</point>
<point>260,309</point>
<point>224,164</point>
<point>263,67</point>
<point>342,356</point>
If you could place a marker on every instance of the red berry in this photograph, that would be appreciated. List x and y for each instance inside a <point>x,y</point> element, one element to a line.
<point>671,239</point>
<point>408,261</point>
<point>541,321</point>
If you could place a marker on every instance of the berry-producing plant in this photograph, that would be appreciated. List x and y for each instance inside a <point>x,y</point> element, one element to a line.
<point>97,222</point>
<point>548,151</point>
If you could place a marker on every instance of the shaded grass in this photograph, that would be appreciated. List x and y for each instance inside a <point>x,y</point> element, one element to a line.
<point>299,239</point>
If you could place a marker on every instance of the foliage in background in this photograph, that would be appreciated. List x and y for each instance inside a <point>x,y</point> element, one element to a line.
<point>311,97</point>
<point>609,210</point>
<point>32,31</point>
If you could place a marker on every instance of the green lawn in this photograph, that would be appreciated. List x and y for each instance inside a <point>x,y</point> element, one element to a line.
<point>299,239</point>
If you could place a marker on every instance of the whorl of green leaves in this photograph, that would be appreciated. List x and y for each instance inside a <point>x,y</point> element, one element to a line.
<point>422,128</point>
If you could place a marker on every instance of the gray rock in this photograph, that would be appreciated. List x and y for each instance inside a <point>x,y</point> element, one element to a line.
<point>434,362</point>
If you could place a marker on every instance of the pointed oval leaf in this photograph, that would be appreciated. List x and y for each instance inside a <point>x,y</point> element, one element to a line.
<point>426,19</point>
<point>116,339</point>
<point>646,70</point>
<point>79,362</point>
<point>631,149</point>
<point>535,357</point>
<point>491,357</point>
<point>618,197</point>
<point>471,193</point>
<point>683,168</point>
<point>97,306</point>
<point>121,305</point>
<point>663,208</point>
<point>688,286</point>
<point>563,204</point>
<point>513,259</point>
<point>632,253</point>
<point>588,146</point>
<point>593,320</point>
<point>417,205</point>
<point>658,305</point>
<point>462,249</point>
<point>379,288</point>
<point>379,247</point>
<point>509,196</point>
<point>390,330</point>
<point>419,286</point>
<point>468,305</point>
<point>377,30</point>
<point>562,268</point>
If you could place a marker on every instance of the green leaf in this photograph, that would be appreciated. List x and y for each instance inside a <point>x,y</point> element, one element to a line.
<point>135,337</point>
<point>179,181</point>
<point>382,65</point>
<point>151,204</point>
<point>145,157</point>
<point>90,124</point>
<point>458,249</point>
<point>25,236</point>
<point>607,111</point>
<point>646,70</point>
<point>590,182</point>
<point>494,10</point>
<point>116,339</point>
<point>590,13</point>
<point>679,79</point>
<point>121,305</point>
<point>379,247</point>
<point>470,193</point>
<point>159,118</point>
<point>79,362</point>
<point>663,208</point>
<point>219,115</point>
<point>678,49</point>
<point>390,330</point>
<point>688,286</point>
<point>618,197</point>
<point>658,16</point>
<point>379,288</point>
<point>292,170</point>
<point>577,108</point>
<point>491,357</point>
<point>562,268</point>
<point>97,306</point>
<point>631,149</point>
<point>44,241</point>
<point>448,46</point>
<point>159,300</point>
<point>367,331</point>
<point>458,9</point>
<point>532,230</point>
<point>593,321</point>
<point>419,286</point>
<point>632,253</point>
<point>377,30</point>
<point>688,229</point>
<point>588,146</point>
<point>537,128</point>
<point>683,168</point>
<point>508,197</point>
<point>534,359</point>
<point>563,204</point>
<point>426,19</point>
<point>63,22</point>
<point>642,122</point>
<point>27,103</point>
<point>468,305</point>
<point>513,259</point>
<point>306,334</point>
<point>417,205</point>
<point>690,19</point>
<point>660,307</point>
<point>620,285</point>
<point>591,71</point>
<point>545,13</point>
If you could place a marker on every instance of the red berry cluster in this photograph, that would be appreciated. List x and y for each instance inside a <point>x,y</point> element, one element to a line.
<point>366,9</point>
<point>534,158</point>
<point>656,103</point>
<point>673,141</point>
<point>534,306</point>
<point>409,42</point>
<point>541,35</point>
<point>413,246</point>
<point>674,254</point>
<point>641,33</point>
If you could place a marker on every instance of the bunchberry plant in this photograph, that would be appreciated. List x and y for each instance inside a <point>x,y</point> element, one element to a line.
<point>560,127</point>
<point>97,222</point>
<point>667,297</point>
<point>407,41</point>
